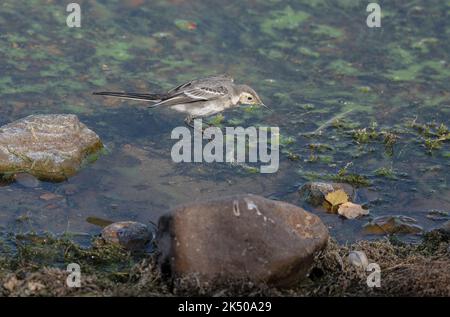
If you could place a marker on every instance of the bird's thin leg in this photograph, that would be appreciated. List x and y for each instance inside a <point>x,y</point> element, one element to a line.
<point>188,121</point>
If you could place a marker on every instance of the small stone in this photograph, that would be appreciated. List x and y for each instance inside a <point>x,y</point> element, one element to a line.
<point>49,147</point>
<point>128,234</point>
<point>11,283</point>
<point>239,237</point>
<point>35,286</point>
<point>392,224</point>
<point>314,192</point>
<point>358,259</point>
<point>350,210</point>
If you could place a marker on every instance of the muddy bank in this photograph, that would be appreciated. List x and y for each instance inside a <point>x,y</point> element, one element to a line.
<point>36,266</point>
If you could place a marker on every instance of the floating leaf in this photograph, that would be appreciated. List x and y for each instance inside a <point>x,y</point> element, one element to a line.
<point>336,198</point>
<point>350,210</point>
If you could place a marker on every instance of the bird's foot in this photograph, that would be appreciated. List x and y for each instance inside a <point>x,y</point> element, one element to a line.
<point>189,122</point>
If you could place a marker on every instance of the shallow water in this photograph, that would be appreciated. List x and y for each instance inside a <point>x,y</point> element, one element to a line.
<point>311,61</point>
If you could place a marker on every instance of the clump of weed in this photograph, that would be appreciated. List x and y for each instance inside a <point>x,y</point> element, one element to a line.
<point>385,172</point>
<point>315,149</point>
<point>365,135</point>
<point>406,270</point>
<point>433,135</point>
<point>291,155</point>
<point>389,139</point>
<point>343,176</point>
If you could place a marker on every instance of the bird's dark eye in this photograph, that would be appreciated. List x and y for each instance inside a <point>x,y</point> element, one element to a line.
<point>249,98</point>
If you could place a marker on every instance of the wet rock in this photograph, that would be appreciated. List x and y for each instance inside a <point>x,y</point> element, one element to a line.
<point>392,224</point>
<point>314,192</point>
<point>50,196</point>
<point>26,180</point>
<point>239,237</point>
<point>49,147</point>
<point>445,228</point>
<point>128,234</point>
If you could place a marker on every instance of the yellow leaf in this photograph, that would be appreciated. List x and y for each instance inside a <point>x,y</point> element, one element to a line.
<point>336,198</point>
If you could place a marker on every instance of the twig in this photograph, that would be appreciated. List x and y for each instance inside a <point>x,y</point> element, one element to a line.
<point>330,121</point>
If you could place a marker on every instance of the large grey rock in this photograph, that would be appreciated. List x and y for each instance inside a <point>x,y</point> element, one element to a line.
<point>240,237</point>
<point>49,147</point>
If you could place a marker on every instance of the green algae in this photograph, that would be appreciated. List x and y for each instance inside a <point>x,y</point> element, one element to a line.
<point>114,50</point>
<point>308,52</point>
<point>217,120</point>
<point>327,31</point>
<point>425,45</point>
<point>416,71</point>
<point>286,19</point>
<point>342,67</point>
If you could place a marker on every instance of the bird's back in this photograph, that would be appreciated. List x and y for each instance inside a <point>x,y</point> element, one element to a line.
<point>206,82</point>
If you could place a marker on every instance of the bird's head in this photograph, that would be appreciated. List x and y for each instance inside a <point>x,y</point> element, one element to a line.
<point>248,96</point>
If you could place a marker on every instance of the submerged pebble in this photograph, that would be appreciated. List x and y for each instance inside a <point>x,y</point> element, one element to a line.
<point>50,196</point>
<point>26,180</point>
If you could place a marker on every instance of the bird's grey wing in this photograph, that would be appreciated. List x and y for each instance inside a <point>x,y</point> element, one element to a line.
<point>202,82</point>
<point>198,93</point>
<point>206,92</point>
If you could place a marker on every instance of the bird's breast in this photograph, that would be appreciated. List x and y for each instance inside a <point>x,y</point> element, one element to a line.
<point>203,108</point>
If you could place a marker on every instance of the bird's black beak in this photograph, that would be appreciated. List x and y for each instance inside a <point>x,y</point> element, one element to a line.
<point>267,107</point>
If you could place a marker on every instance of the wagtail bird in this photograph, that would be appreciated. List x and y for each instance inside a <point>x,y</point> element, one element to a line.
<point>198,98</point>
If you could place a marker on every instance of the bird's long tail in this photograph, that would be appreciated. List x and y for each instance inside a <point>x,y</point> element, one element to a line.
<point>130,95</point>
